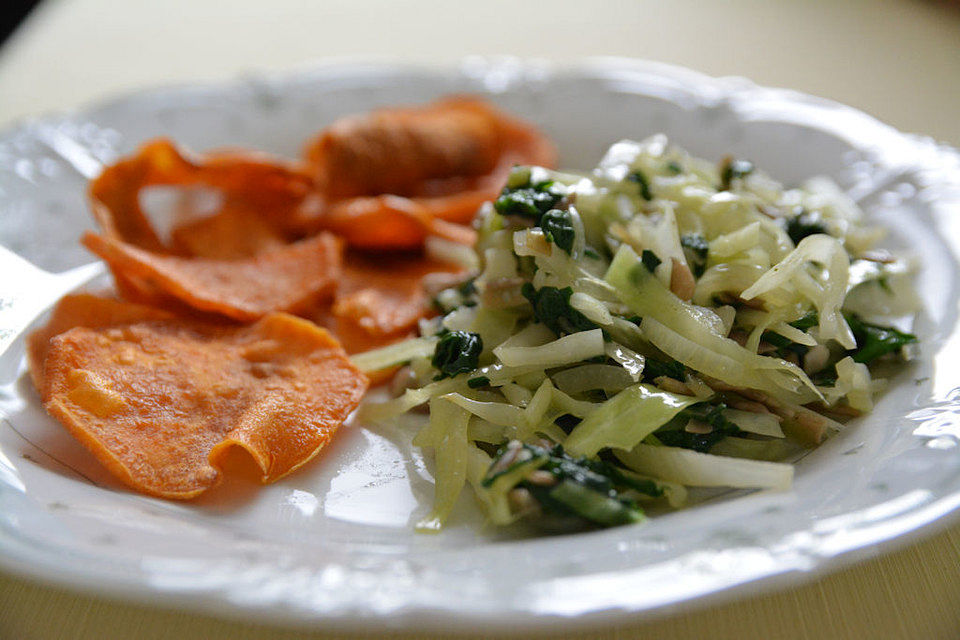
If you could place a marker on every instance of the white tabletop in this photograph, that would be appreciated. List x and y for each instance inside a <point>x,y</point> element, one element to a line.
<point>896,59</point>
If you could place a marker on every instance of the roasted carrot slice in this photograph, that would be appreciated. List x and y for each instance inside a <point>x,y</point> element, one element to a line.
<point>287,279</point>
<point>161,403</point>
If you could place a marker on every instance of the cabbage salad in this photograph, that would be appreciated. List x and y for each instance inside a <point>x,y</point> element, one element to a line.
<point>660,324</point>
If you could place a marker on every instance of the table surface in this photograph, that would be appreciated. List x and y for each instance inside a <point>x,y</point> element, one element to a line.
<point>898,60</point>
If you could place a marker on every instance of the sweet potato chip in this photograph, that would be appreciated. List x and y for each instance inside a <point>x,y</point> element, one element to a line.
<point>286,279</point>
<point>82,310</point>
<point>161,403</point>
<point>391,223</point>
<point>392,150</point>
<point>230,234</point>
<point>389,176</point>
<point>384,295</point>
<point>254,182</point>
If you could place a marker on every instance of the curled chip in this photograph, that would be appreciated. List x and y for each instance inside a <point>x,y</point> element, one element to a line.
<point>391,178</point>
<point>392,222</point>
<point>385,295</point>
<point>260,185</point>
<point>394,150</point>
<point>160,403</point>
<point>286,279</point>
<point>82,310</point>
<point>230,234</point>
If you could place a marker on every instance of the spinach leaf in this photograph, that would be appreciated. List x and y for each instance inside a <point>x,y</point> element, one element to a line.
<point>557,226</point>
<point>711,414</point>
<point>644,184</point>
<point>551,306</point>
<point>654,369</point>
<point>650,260</point>
<point>731,170</point>
<point>785,345</point>
<point>874,341</point>
<point>696,249</point>
<point>804,223</point>
<point>457,352</point>
<point>478,382</point>
<point>592,490</point>
<point>528,201</point>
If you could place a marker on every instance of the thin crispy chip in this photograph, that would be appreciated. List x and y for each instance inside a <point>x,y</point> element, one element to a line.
<point>385,295</point>
<point>161,403</point>
<point>230,234</point>
<point>391,178</point>
<point>255,182</point>
<point>355,339</point>
<point>392,150</point>
<point>390,222</point>
<point>82,310</point>
<point>286,279</point>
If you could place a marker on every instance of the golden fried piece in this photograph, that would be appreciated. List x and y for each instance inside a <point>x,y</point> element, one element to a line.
<point>286,279</point>
<point>160,403</point>
<point>254,183</point>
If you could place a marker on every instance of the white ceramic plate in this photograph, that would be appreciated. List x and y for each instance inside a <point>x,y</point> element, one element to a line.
<point>332,545</point>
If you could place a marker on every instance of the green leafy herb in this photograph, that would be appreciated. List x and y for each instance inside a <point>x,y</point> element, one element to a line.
<point>696,249</point>
<point>804,223</point>
<point>467,288</point>
<point>567,422</point>
<point>557,226</point>
<point>874,341</point>
<point>809,320</point>
<point>642,182</point>
<point>674,167</point>
<point>457,352</point>
<point>826,377</point>
<point>551,306</point>
<point>479,381</point>
<point>529,201</point>
<point>654,369</point>
<point>592,490</point>
<point>590,253</point>
<point>786,346</point>
<point>731,170</point>
<point>650,260</point>
<point>712,414</point>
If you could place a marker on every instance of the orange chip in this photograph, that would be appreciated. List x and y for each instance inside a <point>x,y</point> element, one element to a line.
<point>392,150</point>
<point>82,310</point>
<point>393,177</point>
<point>392,222</point>
<point>255,182</point>
<point>161,403</point>
<point>286,279</point>
<point>230,234</point>
<point>385,295</point>
<point>355,339</point>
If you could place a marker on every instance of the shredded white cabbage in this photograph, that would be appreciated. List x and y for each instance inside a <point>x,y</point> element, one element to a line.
<point>695,320</point>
